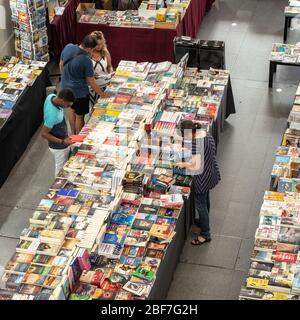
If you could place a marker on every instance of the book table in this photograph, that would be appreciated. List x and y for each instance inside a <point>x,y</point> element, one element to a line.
<point>283,54</point>
<point>289,14</point>
<point>17,131</point>
<point>141,44</point>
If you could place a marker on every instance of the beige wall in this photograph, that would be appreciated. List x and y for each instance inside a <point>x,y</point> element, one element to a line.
<point>6,30</point>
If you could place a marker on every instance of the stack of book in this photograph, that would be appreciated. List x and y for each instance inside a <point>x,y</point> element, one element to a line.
<point>31,40</point>
<point>15,77</point>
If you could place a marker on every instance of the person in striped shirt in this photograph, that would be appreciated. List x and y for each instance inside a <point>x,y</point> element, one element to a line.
<point>205,171</point>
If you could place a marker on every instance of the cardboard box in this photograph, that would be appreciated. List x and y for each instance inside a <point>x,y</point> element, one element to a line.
<point>107,4</point>
<point>161,14</point>
<point>84,8</point>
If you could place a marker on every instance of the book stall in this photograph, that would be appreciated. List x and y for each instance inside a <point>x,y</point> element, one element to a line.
<point>275,262</point>
<point>114,221</point>
<point>131,37</point>
<point>283,54</point>
<point>182,18</point>
<point>22,94</point>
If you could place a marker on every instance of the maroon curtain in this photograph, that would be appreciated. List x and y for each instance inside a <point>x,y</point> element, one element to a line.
<point>63,28</point>
<point>192,19</point>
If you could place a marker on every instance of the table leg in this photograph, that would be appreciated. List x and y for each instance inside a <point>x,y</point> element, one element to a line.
<point>285,29</point>
<point>271,71</point>
<point>289,22</point>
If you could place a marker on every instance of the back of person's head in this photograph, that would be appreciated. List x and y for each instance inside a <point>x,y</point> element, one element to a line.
<point>89,42</point>
<point>189,125</point>
<point>98,35</point>
<point>66,95</point>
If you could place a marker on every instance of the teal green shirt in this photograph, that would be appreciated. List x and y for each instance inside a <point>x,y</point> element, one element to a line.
<point>52,115</point>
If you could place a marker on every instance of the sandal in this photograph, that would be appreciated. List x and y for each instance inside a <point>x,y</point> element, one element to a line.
<point>197,242</point>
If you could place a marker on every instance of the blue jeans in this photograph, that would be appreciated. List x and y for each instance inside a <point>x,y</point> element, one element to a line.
<point>202,206</point>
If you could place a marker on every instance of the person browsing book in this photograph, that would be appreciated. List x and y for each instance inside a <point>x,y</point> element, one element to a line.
<point>55,129</point>
<point>205,172</point>
<point>78,74</point>
<point>101,59</point>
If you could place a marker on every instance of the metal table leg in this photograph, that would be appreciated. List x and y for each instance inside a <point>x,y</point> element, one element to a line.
<point>271,72</point>
<point>286,22</point>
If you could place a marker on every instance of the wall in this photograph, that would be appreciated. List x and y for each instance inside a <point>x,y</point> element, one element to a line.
<point>6,30</point>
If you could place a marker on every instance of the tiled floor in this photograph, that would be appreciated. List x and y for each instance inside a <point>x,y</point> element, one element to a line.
<point>245,154</point>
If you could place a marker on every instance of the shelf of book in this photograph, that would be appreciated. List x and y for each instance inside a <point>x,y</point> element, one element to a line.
<point>275,262</point>
<point>22,94</point>
<point>29,19</point>
<point>114,221</point>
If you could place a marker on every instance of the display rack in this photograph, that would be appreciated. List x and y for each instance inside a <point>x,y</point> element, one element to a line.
<point>29,19</point>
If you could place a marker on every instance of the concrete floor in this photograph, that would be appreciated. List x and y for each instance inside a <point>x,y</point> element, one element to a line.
<point>245,154</point>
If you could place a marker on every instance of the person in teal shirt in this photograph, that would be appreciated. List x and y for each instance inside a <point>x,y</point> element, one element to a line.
<point>55,128</point>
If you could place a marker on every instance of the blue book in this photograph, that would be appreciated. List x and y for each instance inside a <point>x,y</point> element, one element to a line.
<point>122,219</point>
<point>113,238</point>
<point>70,193</point>
<point>285,185</point>
<point>7,104</point>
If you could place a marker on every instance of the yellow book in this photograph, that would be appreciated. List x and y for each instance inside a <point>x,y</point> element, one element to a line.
<point>112,113</point>
<point>98,112</point>
<point>161,15</point>
<point>257,283</point>
<point>270,295</point>
<point>4,75</point>
<point>123,73</point>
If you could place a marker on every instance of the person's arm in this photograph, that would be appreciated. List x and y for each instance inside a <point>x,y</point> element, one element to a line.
<point>110,68</point>
<point>61,66</point>
<point>92,82</point>
<point>45,133</point>
<point>193,165</point>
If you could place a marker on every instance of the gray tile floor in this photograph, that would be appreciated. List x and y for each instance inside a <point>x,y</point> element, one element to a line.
<point>245,154</point>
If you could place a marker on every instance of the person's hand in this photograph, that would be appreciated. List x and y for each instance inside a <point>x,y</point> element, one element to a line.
<point>104,95</point>
<point>68,141</point>
<point>180,165</point>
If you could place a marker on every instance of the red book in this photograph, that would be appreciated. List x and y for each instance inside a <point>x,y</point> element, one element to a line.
<point>78,137</point>
<point>285,257</point>
<point>122,99</point>
<point>84,259</point>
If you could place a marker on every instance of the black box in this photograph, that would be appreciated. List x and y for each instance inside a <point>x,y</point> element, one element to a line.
<point>211,54</point>
<point>182,45</point>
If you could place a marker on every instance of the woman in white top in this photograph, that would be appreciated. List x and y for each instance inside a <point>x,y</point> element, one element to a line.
<point>101,59</point>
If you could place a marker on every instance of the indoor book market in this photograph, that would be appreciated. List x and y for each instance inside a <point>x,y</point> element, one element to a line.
<point>149,150</point>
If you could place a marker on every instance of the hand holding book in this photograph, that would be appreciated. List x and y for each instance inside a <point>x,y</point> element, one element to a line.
<point>68,141</point>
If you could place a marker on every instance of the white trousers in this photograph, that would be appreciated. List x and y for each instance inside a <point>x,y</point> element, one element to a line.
<point>60,157</point>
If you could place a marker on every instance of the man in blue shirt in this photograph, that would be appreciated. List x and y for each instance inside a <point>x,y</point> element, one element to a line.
<point>55,128</point>
<point>77,74</point>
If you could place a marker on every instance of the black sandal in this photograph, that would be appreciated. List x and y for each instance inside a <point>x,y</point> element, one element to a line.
<point>197,242</point>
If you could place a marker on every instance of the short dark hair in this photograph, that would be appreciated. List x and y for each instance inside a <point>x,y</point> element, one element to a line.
<point>188,124</point>
<point>89,42</point>
<point>66,95</point>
